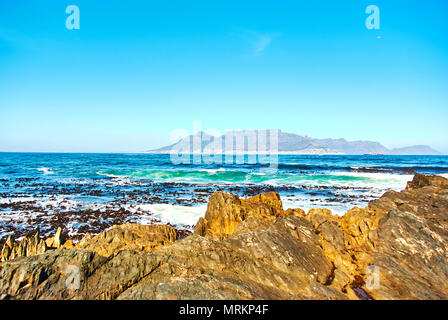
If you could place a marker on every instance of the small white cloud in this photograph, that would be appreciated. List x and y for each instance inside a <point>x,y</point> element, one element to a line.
<point>261,43</point>
<point>258,41</point>
<point>13,38</point>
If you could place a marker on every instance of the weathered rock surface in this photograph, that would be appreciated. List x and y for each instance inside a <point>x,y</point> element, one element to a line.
<point>225,211</point>
<point>129,237</point>
<point>409,245</point>
<point>396,248</point>
<point>29,246</point>
<point>421,180</point>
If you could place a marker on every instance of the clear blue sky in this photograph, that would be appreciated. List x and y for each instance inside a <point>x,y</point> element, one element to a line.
<point>136,70</point>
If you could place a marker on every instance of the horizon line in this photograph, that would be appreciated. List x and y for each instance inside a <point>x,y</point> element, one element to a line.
<point>201,153</point>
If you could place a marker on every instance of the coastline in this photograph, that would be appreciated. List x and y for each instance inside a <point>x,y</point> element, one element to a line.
<point>252,249</point>
<point>88,193</point>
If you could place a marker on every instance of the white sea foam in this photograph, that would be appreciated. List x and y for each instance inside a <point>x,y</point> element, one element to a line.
<point>115,179</point>
<point>16,200</point>
<point>45,170</point>
<point>259,173</point>
<point>374,180</point>
<point>166,213</point>
<point>107,175</point>
<point>213,171</point>
<point>304,204</point>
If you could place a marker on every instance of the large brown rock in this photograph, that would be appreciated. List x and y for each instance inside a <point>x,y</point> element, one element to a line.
<point>421,180</point>
<point>222,270</point>
<point>129,237</point>
<point>410,242</point>
<point>225,211</point>
<point>48,275</point>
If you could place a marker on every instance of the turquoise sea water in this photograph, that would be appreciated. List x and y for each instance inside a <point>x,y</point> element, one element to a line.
<point>44,190</point>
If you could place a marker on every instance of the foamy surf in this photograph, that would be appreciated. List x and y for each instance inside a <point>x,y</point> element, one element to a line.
<point>45,170</point>
<point>377,180</point>
<point>213,171</point>
<point>91,192</point>
<point>166,213</point>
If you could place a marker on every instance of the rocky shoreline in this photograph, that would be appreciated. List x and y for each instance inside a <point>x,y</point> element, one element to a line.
<point>32,205</point>
<point>395,248</point>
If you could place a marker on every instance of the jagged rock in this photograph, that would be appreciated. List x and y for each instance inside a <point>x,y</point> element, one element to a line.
<point>225,211</point>
<point>410,244</point>
<point>85,240</point>
<point>14,251</point>
<point>68,244</point>
<point>421,180</point>
<point>57,242</point>
<point>271,199</point>
<point>200,227</point>
<point>295,212</point>
<point>22,248</point>
<point>25,248</point>
<point>129,237</point>
<point>41,247</point>
<point>319,216</point>
<point>6,252</point>
<point>33,244</point>
<point>49,275</point>
<point>10,241</point>
<point>49,242</point>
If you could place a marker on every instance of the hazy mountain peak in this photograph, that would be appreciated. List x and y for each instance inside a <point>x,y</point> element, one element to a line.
<point>291,143</point>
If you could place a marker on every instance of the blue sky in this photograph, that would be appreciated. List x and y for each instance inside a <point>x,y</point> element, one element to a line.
<point>136,70</point>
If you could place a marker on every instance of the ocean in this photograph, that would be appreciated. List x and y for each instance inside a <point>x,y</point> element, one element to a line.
<point>91,192</point>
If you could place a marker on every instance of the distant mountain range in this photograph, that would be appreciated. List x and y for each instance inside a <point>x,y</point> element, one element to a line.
<point>288,143</point>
